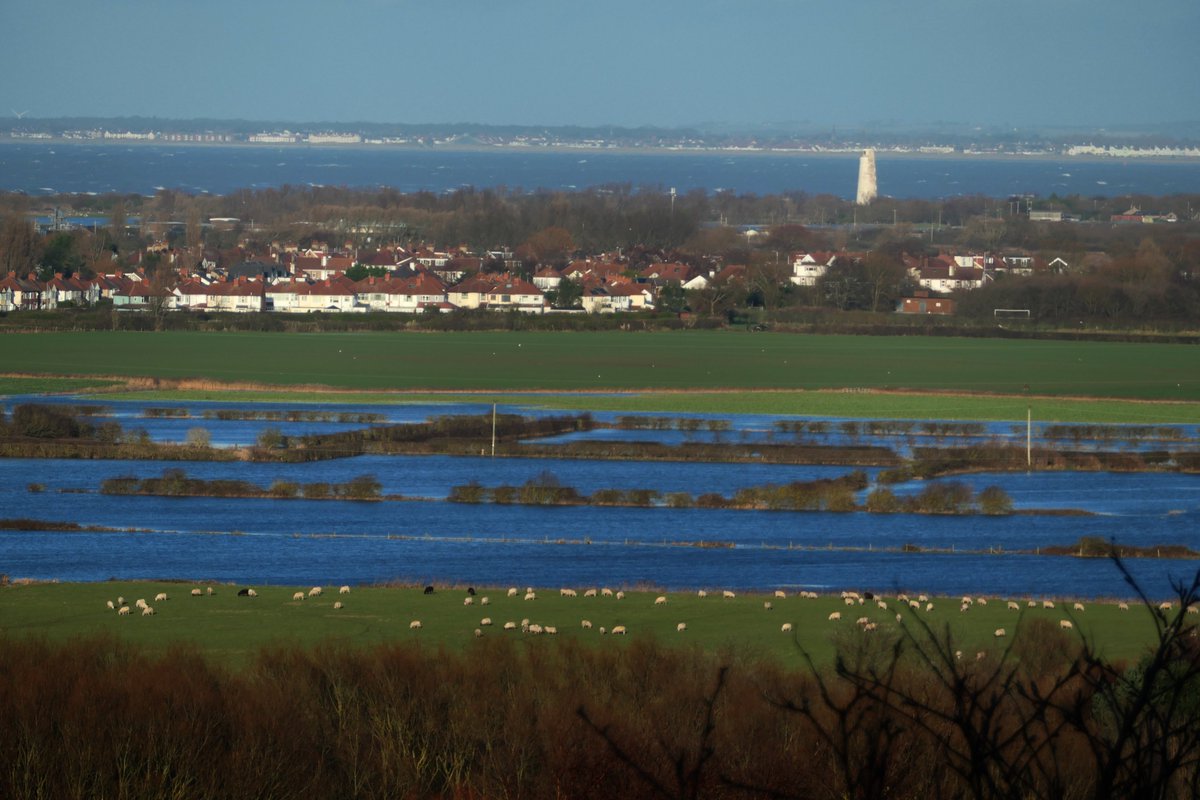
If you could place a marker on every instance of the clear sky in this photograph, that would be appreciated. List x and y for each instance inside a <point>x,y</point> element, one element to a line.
<point>743,63</point>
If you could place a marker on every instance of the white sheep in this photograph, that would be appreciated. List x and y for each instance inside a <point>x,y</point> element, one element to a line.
<point>967,601</point>
<point>1164,606</point>
<point>1000,633</point>
<point>140,602</point>
<point>1123,606</point>
<point>298,596</point>
<point>780,594</point>
<point>619,630</point>
<point>701,594</point>
<point>314,591</point>
<point>850,601</point>
<point>110,605</point>
<point>470,601</point>
<point>510,626</point>
<point>1077,607</point>
<point>929,606</point>
<point>661,600</point>
<point>337,606</point>
<point>344,590</point>
<point>148,611</point>
<point>550,630</point>
<point>586,624</point>
<point>161,596</point>
<point>121,600</point>
<point>534,628</point>
<point>899,618</point>
<point>525,622</point>
<point>485,622</point>
<point>567,593</point>
<point>512,591</point>
<point>862,621</point>
<point>620,595</point>
<point>981,601</point>
<point>870,626</point>
<point>728,595</point>
<point>1065,624</point>
<point>835,616</point>
<point>1013,606</point>
<point>1193,610</point>
<point>528,596</point>
<point>483,601</point>
<point>913,604</point>
<point>681,627</point>
<point>922,598</point>
<point>478,633</point>
<point>785,627</point>
<point>210,591</point>
<point>123,611</point>
<point>767,606</point>
<point>197,593</point>
<point>1047,604</point>
<point>251,593</point>
<point>1031,604</point>
<point>882,605</point>
<point>414,625</point>
<point>590,593</point>
<point>606,592</point>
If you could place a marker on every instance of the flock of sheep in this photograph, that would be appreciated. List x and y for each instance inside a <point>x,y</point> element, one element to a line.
<point>921,604</point>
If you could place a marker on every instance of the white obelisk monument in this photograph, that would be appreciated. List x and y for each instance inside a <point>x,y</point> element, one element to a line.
<point>867,190</point>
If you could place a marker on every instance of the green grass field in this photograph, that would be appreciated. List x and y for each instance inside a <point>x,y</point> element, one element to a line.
<point>674,361</point>
<point>231,629</point>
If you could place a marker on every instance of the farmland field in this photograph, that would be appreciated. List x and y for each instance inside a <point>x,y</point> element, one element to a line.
<point>232,629</point>
<point>669,361</point>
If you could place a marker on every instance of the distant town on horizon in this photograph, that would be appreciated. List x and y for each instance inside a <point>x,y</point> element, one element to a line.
<point>1181,140</point>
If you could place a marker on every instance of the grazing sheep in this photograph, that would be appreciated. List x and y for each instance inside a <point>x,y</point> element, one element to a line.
<point>486,622</point>
<point>110,605</point>
<point>785,627</point>
<point>483,601</point>
<point>314,591</point>
<point>767,606</point>
<point>1193,610</point>
<point>298,596</point>
<point>197,593</point>
<point>140,602</point>
<point>586,624</point>
<point>210,591</point>
<point>344,590</point>
<point>882,605</point>
<point>981,601</point>
<point>1047,604</point>
<point>779,593</point>
<point>702,594</point>
<point>1065,624</point>
<point>428,590</point>
<point>121,600</point>
<point>1123,606</point>
<point>913,604</point>
<point>870,626</point>
<point>661,600</point>
<point>243,593</point>
<point>681,627</point>
<point>148,611</point>
<point>512,591</point>
<point>728,595</point>
<point>602,631</point>
<point>470,601</point>
<point>510,626</point>
<point>251,593</point>
<point>835,616</point>
<point>899,618</point>
<point>478,633</point>
<point>929,606</point>
<point>967,601</point>
<point>1077,607</point>
<point>525,622</point>
<point>1000,633</point>
<point>958,655</point>
<point>534,628</point>
<point>567,593</point>
<point>1031,604</point>
<point>123,611</point>
<point>921,598</point>
<point>849,601</point>
<point>619,630</point>
<point>620,595</point>
<point>528,596</point>
<point>862,621</point>
<point>414,625</point>
<point>161,596</point>
<point>1164,606</point>
<point>1013,606</point>
<point>591,593</point>
<point>606,592</point>
<point>337,605</point>
<point>965,607</point>
<point>550,630</point>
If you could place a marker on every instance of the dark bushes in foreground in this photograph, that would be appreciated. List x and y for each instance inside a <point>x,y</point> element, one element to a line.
<point>899,716</point>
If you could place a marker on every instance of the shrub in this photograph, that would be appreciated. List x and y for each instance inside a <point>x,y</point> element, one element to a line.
<point>994,500</point>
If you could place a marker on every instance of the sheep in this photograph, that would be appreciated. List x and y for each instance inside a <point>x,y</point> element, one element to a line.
<point>210,591</point>
<point>550,630</point>
<point>486,622</point>
<point>530,595</point>
<point>980,656</point>
<point>1031,604</point>
<point>780,594</point>
<point>483,601</point>
<point>428,590</point>
<point>140,602</point>
<point>110,605</point>
<point>1000,633</point>
<point>835,616</point>
<point>620,595</point>
<point>849,601</point>
<point>661,600</point>
<point>1048,604</point>
<point>148,611</point>
<point>251,593</point>
<point>913,604</point>
<point>785,627</point>
<point>525,622</point>
<point>478,633</point>
<point>586,624</point>
<point>702,594</point>
<point>981,601</point>
<point>1165,606</point>
<point>1013,606</point>
<point>958,655</point>
<point>681,627</point>
<point>337,606</point>
<point>510,626</point>
<point>618,630</point>
<point>123,611</point>
<point>528,588</point>
<point>921,598</point>
<point>121,600</point>
<point>161,596</point>
<point>965,607</point>
<point>767,606</point>
<point>415,625</point>
<point>1123,606</point>
<point>243,593</point>
<point>344,590</point>
<point>1077,607</point>
<point>591,593</point>
<point>1065,624</point>
<point>197,593</point>
<point>314,591</point>
<point>728,595</point>
<point>567,593</point>
<point>882,605</point>
<point>862,621</point>
<point>967,601</point>
<point>298,596</point>
<point>534,628</point>
<point>512,591</point>
<point>1193,610</point>
<point>870,626</point>
<point>471,591</point>
<point>899,618</point>
<point>606,592</point>
<point>470,601</point>
<point>929,606</point>
<point>602,630</point>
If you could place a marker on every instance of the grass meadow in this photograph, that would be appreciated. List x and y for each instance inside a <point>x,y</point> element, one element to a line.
<point>231,630</point>
<point>668,361</point>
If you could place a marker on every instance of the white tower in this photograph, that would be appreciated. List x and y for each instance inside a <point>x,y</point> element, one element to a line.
<point>867,190</point>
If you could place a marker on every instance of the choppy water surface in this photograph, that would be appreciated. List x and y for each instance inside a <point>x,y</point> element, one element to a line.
<point>301,541</point>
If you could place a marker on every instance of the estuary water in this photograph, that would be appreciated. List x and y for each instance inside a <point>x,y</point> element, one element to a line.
<point>425,538</point>
<point>62,167</point>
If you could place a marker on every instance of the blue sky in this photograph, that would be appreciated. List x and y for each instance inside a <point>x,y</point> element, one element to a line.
<point>744,63</point>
